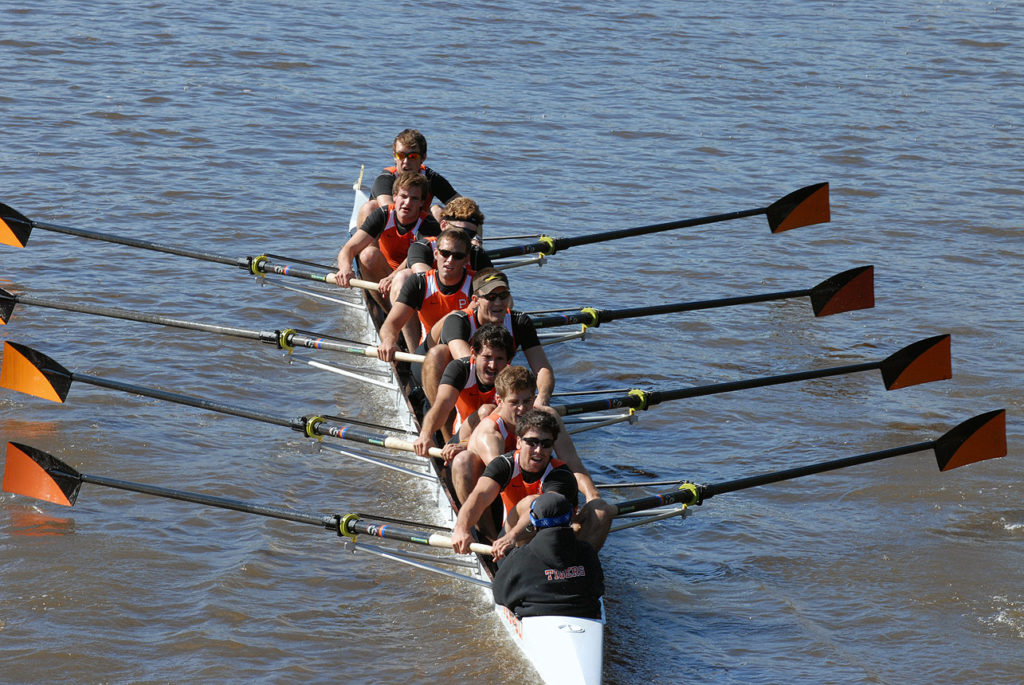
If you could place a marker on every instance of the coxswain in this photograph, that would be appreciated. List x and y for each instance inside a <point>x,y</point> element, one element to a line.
<point>491,304</point>
<point>410,152</point>
<point>381,243</point>
<point>555,573</point>
<point>518,477</point>
<point>431,295</point>
<point>466,386</point>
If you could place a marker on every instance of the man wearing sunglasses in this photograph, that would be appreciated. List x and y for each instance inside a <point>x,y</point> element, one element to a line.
<point>410,152</point>
<point>515,390</point>
<point>431,295</point>
<point>518,477</point>
<point>491,303</point>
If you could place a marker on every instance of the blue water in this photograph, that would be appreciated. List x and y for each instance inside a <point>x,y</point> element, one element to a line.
<point>240,128</point>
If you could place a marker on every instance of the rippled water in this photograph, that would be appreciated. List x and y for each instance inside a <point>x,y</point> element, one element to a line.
<point>240,128</point>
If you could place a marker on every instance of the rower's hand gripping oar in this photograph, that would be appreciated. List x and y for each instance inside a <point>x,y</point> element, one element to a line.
<point>285,339</point>
<point>33,373</point>
<point>847,291</point>
<point>922,362</point>
<point>802,207</point>
<point>15,229</point>
<point>976,439</point>
<point>34,473</point>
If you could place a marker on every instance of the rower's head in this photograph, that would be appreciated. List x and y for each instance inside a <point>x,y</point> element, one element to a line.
<point>451,255</point>
<point>536,431</point>
<point>409,150</point>
<point>464,214</point>
<point>550,510</point>
<point>410,191</point>
<point>515,389</point>
<point>562,482</point>
<point>492,348</point>
<point>492,295</point>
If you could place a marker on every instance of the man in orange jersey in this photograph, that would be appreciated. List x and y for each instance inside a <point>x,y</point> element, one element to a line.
<point>519,477</point>
<point>431,295</point>
<point>461,213</point>
<point>466,386</point>
<point>410,151</point>
<point>515,389</point>
<point>382,241</point>
<point>491,303</point>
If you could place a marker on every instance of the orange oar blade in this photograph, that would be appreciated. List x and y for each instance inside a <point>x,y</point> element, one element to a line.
<point>33,373</point>
<point>15,227</point>
<point>923,362</point>
<point>977,439</point>
<point>802,207</point>
<point>34,473</point>
<point>7,302</point>
<point>845,292</point>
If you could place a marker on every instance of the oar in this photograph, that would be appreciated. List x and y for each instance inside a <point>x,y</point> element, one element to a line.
<point>285,339</point>
<point>34,473</point>
<point>844,292</point>
<point>802,207</point>
<point>922,362</point>
<point>976,439</point>
<point>33,373</point>
<point>15,229</point>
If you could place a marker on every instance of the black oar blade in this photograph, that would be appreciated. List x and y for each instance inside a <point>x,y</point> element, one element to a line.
<point>845,292</point>
<point>923,362</point>
<point>977,439</point>
<point>33,373</point>
<point>34,473</point>
<point>15,227</point>
<point>7,302</point>
<point>802,207</point>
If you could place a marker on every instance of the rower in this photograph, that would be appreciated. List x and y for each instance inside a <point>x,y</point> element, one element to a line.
<point>462,213</point>
<point>518,478</point>
<point>431,295</point>
<point>555,573</point>
<point>382,241</point>
<point>410,151</point>
<point>466,386</point>
<point>491,304</point>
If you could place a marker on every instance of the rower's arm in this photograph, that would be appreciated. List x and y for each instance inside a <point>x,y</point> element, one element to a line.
<point>444,402</point>
<point>541,367</point>
<point>475,505</point>
<point>565,449</point>
<point>359,241</point>
<point>459,348</point>
<point>398,316</point>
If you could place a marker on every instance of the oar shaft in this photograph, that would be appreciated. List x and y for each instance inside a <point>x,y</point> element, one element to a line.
<point>188,400</point>
<point>606,315</point>
<point>325,521</point>
<point>128,315</point>
<point>551,246</point>
<point>642,400</point>
<point>811,469</point>
<point>291,338</point>
<point>144,244</point>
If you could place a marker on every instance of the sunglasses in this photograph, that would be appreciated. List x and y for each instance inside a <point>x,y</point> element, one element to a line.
<point>539,442</point>
<point>503,295</point>
<point>414,156</point>
<point>454,255</point>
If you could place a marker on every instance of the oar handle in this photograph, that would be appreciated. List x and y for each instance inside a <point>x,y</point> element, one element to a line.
<point>355,283</point>
<point>406,446</point>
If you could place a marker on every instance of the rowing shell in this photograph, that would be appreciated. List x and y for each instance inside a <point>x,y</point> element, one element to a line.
<point>563,649</point>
